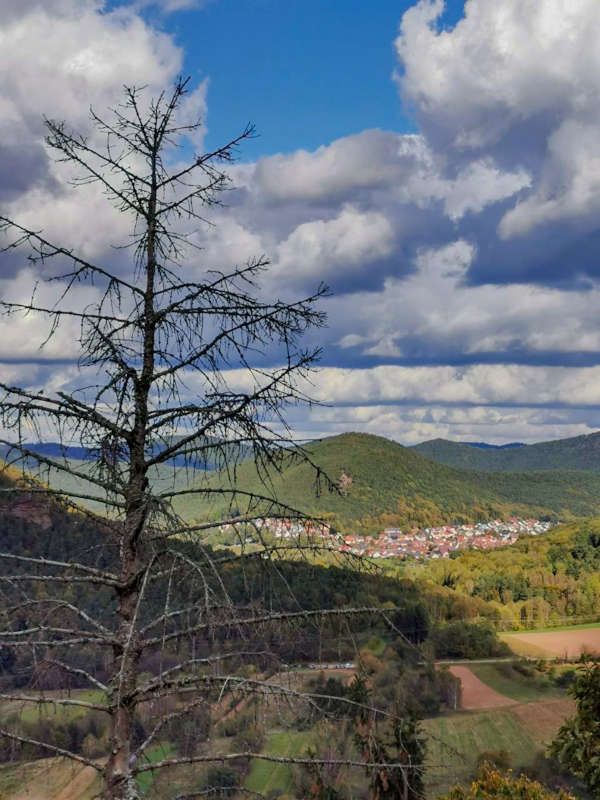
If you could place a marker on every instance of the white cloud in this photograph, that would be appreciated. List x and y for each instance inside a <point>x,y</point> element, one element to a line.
<point>519,80</point>
<point>502,63</point>
<point>170,6</point>
<point>23,334</point>
<point>569,187</point>
<point>446,315</point>
<point>61,63</point>
<point>411,424</point>
<point>349,242</point>
<point>498,403</point>
<point>63,56</point>
<point>402,164</point>
<point>361,160</point>
<point>479,384</point>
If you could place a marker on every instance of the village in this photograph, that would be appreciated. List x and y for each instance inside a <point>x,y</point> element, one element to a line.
<point>421,543</point>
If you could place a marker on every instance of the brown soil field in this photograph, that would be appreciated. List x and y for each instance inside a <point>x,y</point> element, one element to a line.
<point>49,779</point>
<point>568,644</point>
<point>544,719</point>
<point>476,694</point>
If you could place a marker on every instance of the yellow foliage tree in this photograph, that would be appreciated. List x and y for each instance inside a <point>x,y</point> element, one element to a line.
<point>492,784</point>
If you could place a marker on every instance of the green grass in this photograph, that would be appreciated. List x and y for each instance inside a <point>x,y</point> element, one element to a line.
<point>455,742</point>
<point>556,628</point>
<point>265,776</point>
<point>509,682</point>
<point>524,649</point>
<point>154,754</point>
<point>11,779</point>
<point>31,712</point>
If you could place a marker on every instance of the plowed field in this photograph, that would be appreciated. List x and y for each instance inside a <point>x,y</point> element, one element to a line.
<point>49,779</point>
<point>476,694</point>
<point>567,644</point>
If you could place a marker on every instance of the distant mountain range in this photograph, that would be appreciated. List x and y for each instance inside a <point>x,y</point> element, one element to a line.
<point>58,451</point>
<point>579,452</point>
<point>385,484</point>
<point>486,446</point>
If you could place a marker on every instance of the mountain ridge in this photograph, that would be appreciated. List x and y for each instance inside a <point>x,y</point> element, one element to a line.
<point>574,453</point>
<point>383,483</point>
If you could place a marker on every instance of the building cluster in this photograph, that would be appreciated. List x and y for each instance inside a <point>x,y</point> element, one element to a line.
<point>289,529</point>
<point>423,543</point>
<point>442,541</point>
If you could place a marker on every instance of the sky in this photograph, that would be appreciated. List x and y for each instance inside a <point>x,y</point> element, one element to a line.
<point>436,164</point>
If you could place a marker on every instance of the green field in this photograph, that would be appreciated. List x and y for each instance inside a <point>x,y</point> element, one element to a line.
<point>154,754</point>
<point>508,681</point>
<point>455,741</point>
<point>555,628</point>
<point>31,712</point>
<point>523,649</point>
<point>265,776</point>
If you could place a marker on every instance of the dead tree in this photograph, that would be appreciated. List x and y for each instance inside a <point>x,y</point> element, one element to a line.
<point>157,351</point>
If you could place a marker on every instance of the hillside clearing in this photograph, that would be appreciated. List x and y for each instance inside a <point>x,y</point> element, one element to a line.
<point>544,719</point>
<point>456,740</point>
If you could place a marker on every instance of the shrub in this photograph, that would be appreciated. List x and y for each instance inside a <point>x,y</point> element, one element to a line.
<point>491,784</point>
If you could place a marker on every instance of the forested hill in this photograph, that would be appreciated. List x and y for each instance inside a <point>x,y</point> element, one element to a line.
<point>579,452</point>
<point>544,580</point>
<point>383,483</point>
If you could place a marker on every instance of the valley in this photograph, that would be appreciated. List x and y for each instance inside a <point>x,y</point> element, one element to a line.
<point>473,588</point>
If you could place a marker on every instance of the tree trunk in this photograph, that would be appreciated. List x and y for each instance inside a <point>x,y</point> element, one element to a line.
<point>119,782</point>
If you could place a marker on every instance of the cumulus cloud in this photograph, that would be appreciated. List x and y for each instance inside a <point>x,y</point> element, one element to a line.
<point>435,313</point>
<point>498,403</point>
<point>63,56</point>
<point>25,336</point>
<point>403,165</point>
<point>351,240</point>
<point>451,245</point>
<point>477,385</point>
<point>517,80</point>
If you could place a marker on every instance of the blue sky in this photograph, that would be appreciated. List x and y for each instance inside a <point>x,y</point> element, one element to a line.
<point>305,72</point>
<point>437,164</point>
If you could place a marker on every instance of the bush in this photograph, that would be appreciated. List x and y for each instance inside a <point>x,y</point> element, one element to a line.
<point>187,732</point>
<point>566,678</point>
<point>236,723</point>
<point>525,669</point>
<point>492,784</point>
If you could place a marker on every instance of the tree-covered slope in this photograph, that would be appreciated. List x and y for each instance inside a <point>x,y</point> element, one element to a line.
<point>382,483</point>
<point>538,581</point>
<point>579,452</point>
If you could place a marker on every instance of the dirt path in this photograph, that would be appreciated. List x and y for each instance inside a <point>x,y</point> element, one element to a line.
<point>476,694</point>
